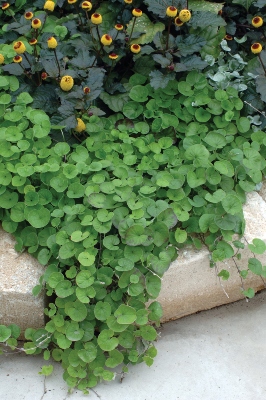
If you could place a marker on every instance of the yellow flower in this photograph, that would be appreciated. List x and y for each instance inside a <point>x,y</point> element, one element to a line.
<point>28,15</point>
<point>71,1</point>
<point>228,37</point>
<point>128,1</point>
<point>2,59</point>
<point>36,23</point>
<point>86,90</point>
<point>52,42</point>
<point>257,22</point>
<point>119,27</point>
<point>96,19</point>
<point>19,47</point>
<point>135,48</point>
<point>49,5</point>
<point>113,56</point>
<point>33,41</point>
<point>184,15</point>
<point>178,22</point>
<point>17,59</point>
<point>106,40</point>
<point>5,6</point>
<point>86,5</point>
<point>137,12</point>
<point>66,83</point>
<point>171,11</point>
<point>256,48</point>
<point>80,126</point>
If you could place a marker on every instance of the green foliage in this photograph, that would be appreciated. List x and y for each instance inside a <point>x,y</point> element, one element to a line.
<point>166,51</point>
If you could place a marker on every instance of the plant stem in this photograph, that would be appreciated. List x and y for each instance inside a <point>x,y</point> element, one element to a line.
<point>9,12</point>
<point>263,66</point>
<point>168,34</point>
<point>27,59</point>
<point>81,23</point>
<point>58,65</point>
<point>98,33</point>
<point>132,29</point>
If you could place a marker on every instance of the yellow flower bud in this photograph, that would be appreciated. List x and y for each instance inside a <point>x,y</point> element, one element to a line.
<point>86,5</point>
<point>80,126</point>
<point>119,27</point>
<point>184,15</point>
<point>28,15</point>
<point>49,5</point>
<point>128,1</point>
<point>52,42</point>
<point>178,22</point>
<point>96,19</point>
<point>17,59</point>
<point>171,11</point>
<point>33,41</point>
<point>257,22</point>
<point>36,23</point>
<point>113,56</point>
<point>5,6</point>
<point>106,40</point>
<point>19,47</point>
<point>2,59</point>
<point>135,48</point>
<point>256,48</point>
<point>137,12</point>
<point>71,1</point>
<point>66,83</point>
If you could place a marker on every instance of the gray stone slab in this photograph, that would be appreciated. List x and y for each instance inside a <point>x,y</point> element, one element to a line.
<point>218,354</point>
<point>190,285</point>
<point>19,273</point>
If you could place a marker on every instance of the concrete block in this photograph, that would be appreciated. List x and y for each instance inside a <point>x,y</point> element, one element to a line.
<point>190,285</point>
<point>19,273</point>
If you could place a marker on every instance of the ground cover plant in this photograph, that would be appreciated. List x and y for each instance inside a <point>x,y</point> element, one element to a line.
<point>128,131</point>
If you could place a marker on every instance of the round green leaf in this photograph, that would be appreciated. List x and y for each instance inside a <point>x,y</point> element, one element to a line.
<point>86,258</point>
<point>125,314</point>
<point>132,109</point>
<point>232,204</point>
<point>77,311</point>
<point>84,279</point>
<point>89,353</point>
<point>153,284</point>
<point>139,93</point>
<point>61,148</point>
<point>115,358</point>
<point>73,332</point>
<point>5,333</point>
<point>106,341</point>
<point>102,310</point>
<point>148,333</point>
<point>64,289</point>
<point>135,235</point>
<point>39,218</point>
<point>180,235</point>
<point>8,199</point>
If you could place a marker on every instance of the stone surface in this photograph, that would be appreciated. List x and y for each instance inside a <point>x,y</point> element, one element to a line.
<point>19,273</point>
<point>190,285</point>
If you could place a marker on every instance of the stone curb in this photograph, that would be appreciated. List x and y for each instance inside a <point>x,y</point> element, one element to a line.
<point>189,285</point>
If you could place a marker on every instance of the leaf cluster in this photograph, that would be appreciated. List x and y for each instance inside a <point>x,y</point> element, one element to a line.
<point>166,51</point>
